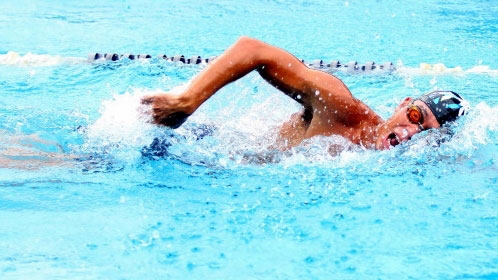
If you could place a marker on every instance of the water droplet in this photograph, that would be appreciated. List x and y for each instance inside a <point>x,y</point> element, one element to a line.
<point>405,132</point>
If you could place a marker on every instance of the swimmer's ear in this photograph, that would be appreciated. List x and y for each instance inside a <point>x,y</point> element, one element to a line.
<point>404,103</point>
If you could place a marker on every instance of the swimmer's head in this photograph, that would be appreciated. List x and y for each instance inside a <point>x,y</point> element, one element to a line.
<point>446,106</point>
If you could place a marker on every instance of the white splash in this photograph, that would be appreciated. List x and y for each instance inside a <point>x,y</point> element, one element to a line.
<point>30,59</point>
<point>123,125</point>
<point>475,131</point>
<point>471,131</point>
<point>441,69</point>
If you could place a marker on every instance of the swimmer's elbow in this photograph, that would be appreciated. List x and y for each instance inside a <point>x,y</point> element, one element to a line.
<point>249,45</point>
<point>246,40</point>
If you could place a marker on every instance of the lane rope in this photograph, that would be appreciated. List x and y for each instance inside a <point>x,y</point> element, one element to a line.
<point>13,58</point>
<point>351,66</point>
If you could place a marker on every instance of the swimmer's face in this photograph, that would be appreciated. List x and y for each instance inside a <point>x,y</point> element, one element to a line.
<point>405,123</point>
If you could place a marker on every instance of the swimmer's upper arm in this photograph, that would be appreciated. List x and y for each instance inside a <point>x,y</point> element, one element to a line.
<point>316,90</point>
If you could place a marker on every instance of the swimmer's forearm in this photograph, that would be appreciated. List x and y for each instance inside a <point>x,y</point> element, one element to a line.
<point>317,91</point>
<point>234,63</point>
<point>284,71</point>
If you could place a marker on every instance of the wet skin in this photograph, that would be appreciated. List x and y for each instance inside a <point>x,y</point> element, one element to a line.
<point>329,108</point>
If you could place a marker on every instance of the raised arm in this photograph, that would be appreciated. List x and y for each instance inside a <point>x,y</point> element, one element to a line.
<point>314,89</point>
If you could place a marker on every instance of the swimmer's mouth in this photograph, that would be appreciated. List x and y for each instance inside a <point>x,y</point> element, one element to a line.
<point>393,139</point>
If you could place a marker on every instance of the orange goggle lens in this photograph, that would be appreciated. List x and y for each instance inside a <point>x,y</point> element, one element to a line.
<point>414,114</point>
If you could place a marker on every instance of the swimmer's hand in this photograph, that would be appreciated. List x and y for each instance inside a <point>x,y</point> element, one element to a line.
<point>168,109</point>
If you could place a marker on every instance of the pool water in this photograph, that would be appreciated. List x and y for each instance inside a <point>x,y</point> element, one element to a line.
<point>89,189</point>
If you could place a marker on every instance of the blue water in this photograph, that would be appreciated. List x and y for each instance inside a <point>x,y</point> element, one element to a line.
<point>82,196</point>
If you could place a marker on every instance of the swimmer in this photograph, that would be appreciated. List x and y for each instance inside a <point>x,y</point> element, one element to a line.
<point>329,108</point>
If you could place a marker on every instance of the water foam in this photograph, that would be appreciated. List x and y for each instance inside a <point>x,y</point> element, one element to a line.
<point>123,126</point>
<point>30,59</point>
<point>441,69</point>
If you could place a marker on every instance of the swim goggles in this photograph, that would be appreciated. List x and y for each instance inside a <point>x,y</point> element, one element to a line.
<point>415,115</point>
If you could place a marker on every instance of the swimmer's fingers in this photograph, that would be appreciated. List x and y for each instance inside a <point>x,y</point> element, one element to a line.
<point>168,118</point>
<point>147,99</point>
<point>151,108</point>
<point>173,120</point>
<point>146,109</point>
<point>166,109</point>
